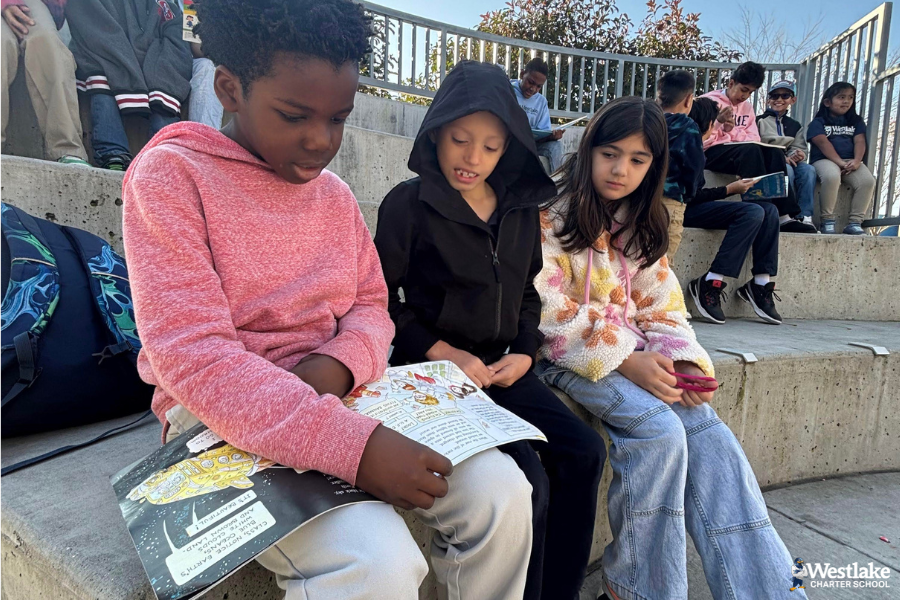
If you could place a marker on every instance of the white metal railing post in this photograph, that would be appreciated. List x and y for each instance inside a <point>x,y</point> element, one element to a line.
<point>879,58</point>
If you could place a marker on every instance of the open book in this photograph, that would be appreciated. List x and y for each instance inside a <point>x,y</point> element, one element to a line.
<point>540,134</point>
<point>199,508</point>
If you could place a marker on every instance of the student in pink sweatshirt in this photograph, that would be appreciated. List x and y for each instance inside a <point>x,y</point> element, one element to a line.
<point>261,302</point>
<point>737,123</point>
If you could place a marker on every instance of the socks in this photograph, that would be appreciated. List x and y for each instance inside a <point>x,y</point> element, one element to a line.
<point>715,276</point>
<point>783,219</point>
<point>761,279</point>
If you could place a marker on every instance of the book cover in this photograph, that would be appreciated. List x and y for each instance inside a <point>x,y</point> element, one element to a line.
<point>767,187</point>
<point>199,508</point>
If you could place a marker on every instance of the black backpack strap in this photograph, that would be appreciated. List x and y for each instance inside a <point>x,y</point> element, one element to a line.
<point>47,455</point>
<point>28,370</point>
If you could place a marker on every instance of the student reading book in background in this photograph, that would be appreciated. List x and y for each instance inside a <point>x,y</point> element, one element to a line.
<point>528,94</point>
<point>731,148</point>
<point>838,136</point>
<point>462,240</point>
<point>225,234</point>
<point>750,226</point>
<point>618,343</point>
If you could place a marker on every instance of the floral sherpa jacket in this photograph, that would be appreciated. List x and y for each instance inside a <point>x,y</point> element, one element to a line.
<point>592,340</point>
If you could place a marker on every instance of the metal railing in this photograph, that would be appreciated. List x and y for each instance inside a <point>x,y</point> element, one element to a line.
<point>857,56</point>
<point>884,149</point>
<point>412,55</point>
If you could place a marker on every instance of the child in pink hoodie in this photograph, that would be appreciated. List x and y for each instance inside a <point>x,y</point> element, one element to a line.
<point>261,302</point>
<point>730,149</point>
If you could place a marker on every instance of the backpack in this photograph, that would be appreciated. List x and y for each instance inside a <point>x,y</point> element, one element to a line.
<point>69,340</point>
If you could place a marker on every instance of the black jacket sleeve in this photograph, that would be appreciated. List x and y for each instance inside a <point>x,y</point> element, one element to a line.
<point>394,240</point>
<point>694,163</point>
<point>710,194</point>
<point>529,338</point>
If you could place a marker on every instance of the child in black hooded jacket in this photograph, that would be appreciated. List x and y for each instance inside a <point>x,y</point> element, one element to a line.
<point>463,241</point>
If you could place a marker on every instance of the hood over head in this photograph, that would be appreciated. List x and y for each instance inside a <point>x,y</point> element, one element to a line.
<point>469,88</point>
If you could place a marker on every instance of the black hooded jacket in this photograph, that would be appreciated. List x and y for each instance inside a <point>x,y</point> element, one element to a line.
<point>461,283</point>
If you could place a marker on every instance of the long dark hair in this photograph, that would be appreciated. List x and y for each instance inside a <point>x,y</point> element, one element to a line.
<point>586,215</point>
<point>833,90</point>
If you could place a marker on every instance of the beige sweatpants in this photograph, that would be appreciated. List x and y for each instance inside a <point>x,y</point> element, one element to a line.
<point>860,181</point>
<point>50,79</point>
<point>480,548</point>
<point>676,225</point>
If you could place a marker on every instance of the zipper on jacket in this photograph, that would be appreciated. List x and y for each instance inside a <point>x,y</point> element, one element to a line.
<point>496,263</point>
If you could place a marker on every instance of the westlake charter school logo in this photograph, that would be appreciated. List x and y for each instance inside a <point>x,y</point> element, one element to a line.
<point>826,575</point>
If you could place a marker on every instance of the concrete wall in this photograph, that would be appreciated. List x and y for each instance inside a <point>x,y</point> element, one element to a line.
<point>820,277</point>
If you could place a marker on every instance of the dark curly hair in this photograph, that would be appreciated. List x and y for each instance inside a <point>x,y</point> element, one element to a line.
<point>244,35</point>
<point>704,112</point>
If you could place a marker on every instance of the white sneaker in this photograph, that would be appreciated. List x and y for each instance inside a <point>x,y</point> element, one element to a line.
<point>807,220</point>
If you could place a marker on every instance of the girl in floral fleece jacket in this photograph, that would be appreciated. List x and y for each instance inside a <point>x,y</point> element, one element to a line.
<point>617,341</point>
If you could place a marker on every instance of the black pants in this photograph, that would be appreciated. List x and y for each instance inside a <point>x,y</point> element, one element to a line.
<point>748,225</point>
<point>750,160</point>
<point>568,471</point>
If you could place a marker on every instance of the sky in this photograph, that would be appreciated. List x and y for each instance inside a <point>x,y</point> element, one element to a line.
<point>715,16</point>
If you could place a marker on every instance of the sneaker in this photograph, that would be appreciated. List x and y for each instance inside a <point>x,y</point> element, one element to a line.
<point>828,226</point>
<point>854,229</point>
<point>116,162</point>
<point>762,299</point>
<point>795,226</point>
<point>73,160</point>
<point>707,296</point>
<point>806,220</point>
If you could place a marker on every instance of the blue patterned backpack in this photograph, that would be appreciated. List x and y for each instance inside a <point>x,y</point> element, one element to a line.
<point>69,342</point>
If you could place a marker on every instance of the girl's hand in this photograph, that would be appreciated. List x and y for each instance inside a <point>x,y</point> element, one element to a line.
<point>739,187</point>
<point>471,365</point>
<point>653,372</point>
<point>510,369</point>
<point>688,398</point>
<point>852,165</point>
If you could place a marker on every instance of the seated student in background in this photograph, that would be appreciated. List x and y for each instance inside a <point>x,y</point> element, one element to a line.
<point>684,175</point>
<point>616,336</point>
<point>838,137</point>
<point>775,127</point>
<point>528,93</point>
<point>737,123</point>
<point>226,233</point>
<point>131,60</point>
<point>749,227</point>
<point>29,28</point>
<point>204,106</point>
<point>463,242</point>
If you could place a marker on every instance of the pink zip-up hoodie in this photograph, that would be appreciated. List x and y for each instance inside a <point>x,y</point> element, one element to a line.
<point>744,122</point>
<point>236,275</point>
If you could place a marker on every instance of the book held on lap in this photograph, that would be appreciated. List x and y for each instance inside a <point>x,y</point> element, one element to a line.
<point>539,134</point>
<point>199,508</point>
<point>767,187</point>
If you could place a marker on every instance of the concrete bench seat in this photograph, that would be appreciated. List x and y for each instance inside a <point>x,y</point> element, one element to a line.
<point>812,407</point>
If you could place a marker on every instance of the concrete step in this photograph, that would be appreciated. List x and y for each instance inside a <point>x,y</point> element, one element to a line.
<point>812,407</point>
<point>836,521</point>
<point>820,277</point>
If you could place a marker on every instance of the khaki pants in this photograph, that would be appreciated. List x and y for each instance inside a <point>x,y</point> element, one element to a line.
<point>50,79</point>
<point>480,548</point>
<point>860,181</point>
<point>676,226</point>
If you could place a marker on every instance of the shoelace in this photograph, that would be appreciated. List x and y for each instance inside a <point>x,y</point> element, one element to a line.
<point>768,296</point>
<point>715,296</point>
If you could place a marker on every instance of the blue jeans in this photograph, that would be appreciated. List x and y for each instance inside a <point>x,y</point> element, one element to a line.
<point>678,470</point>
<point>803,180</point>
<point>553,150</point>
<point>108,137</point>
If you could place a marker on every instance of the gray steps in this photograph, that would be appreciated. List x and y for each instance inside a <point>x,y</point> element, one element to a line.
<point>820,277</point>
<point>811,407</point>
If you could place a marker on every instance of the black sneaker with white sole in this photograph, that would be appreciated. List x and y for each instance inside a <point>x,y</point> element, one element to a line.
<point>795,226</point>
<point>707,297</point>
<point>762,299</point>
